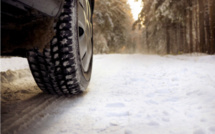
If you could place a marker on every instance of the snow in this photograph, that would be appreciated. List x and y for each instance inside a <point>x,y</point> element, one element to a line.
<point>128,94</point>
<point>13,63</point>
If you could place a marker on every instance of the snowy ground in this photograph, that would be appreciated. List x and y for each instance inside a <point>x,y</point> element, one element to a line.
<point>128,94</point>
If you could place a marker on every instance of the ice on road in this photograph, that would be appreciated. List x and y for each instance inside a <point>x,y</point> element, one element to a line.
<point>128,94</point>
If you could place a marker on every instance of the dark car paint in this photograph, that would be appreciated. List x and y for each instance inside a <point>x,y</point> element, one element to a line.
<point>48,7</point>
<point>21,23</point>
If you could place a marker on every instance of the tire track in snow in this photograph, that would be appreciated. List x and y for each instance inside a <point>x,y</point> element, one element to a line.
<point>23,108</point>
<point>30,114</point>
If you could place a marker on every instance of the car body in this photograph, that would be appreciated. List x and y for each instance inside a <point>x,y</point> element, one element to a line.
<point>18,16</point>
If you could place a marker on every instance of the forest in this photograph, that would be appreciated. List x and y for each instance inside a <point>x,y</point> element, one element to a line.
<point>151,70</point>
<point>112,25</point>
<point>163,27</point>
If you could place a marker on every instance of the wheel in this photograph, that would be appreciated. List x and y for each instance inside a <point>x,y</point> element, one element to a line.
<point>66,67</point>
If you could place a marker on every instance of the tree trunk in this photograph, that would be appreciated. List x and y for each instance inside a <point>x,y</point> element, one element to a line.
<point>167,39</point>
<point>190,26</point>
<point>207,27</point>
<point>201,25</point>
<point>197,26</point>
<point>181,39</point>
<point>147,39</point>
<point>212,24</point>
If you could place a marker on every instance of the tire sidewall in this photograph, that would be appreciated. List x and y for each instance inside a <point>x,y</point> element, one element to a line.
<point>84,77</point>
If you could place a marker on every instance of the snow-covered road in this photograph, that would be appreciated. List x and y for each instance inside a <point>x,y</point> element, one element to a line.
<point>128,94</point>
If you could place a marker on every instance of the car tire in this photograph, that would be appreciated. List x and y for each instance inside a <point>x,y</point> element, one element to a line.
<point>65,68</point>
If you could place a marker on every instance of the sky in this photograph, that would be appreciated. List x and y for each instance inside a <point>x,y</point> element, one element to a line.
<point>136,7</point>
